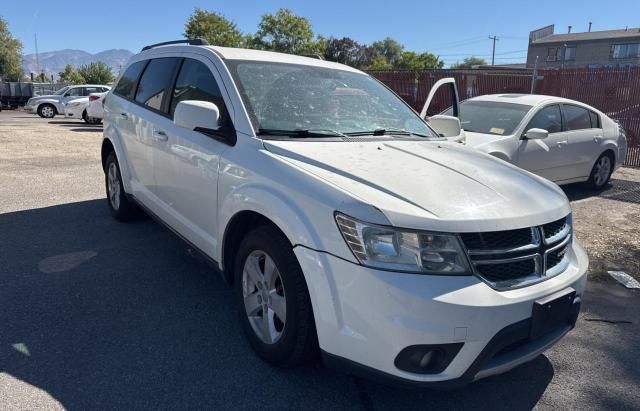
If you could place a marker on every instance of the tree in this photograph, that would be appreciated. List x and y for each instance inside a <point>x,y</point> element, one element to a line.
<point>96,73</point>
<point>390,49</point>
<point>380,63</point>
<point>348,51</point>
<point>287,33</point>
<point>214,28</point>
<point>469,62</point>
<point>410,60</point>
<point>10,54</point>
<point>69,75</point>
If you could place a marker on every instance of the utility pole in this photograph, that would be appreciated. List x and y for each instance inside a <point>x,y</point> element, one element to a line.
<point>37,58</point>
<point>493,54</point>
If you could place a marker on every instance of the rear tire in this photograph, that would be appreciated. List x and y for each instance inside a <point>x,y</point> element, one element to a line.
<point>601,172</point>
<point>287,337</point>
<point>90,120</point>
<point>46,111</point>
<point>122,209</point>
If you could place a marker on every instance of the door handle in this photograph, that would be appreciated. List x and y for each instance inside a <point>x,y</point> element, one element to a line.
<point>160,135</point>
<point>561,144</point>
<point>124,116</point>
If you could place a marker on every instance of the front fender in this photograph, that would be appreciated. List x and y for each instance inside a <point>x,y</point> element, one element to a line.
<point>296,223</point>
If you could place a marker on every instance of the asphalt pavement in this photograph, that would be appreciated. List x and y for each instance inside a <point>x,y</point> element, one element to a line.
<point>96,314</point>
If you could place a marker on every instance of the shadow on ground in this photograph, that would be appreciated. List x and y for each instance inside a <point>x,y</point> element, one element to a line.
<point>85,129</point>
<point>617,189</point>
<point>106,315</point>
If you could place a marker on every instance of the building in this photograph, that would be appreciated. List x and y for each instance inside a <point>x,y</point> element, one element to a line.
<point>591,49</point>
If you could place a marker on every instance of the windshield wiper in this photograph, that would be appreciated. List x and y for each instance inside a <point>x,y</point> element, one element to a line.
<point>300,132</point>
<point>386,132</point>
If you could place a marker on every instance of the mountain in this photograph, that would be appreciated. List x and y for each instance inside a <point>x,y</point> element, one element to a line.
<point>53,62</point>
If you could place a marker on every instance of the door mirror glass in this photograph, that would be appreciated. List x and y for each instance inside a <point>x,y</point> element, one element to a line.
<point>445,126</point>
<point>194,115</point>
<point>536,134</point>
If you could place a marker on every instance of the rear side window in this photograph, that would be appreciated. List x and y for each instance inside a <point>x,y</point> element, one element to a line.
<point>127,85</point>
<point>595,120</point>
<point>549,118</point>
<point>576,118</point>
<point>154,82</point>
<point>196,82</point>
<point>89,90</point>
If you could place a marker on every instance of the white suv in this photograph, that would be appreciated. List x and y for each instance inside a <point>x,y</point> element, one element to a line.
<point>346,225</point>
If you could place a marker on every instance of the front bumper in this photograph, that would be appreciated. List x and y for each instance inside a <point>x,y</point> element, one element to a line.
<point>30,109</point>
<point>366,317</point>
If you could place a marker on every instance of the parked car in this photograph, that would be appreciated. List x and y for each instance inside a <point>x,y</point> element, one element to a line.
<point>95,109</point>
<point>50,105</point>
<point>81,107</point>
<point>559,139</point>
<point>344,222</point>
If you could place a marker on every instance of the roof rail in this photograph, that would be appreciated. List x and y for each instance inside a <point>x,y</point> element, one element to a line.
<point>192,42</point>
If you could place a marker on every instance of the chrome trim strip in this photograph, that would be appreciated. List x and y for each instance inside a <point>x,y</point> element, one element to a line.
<point>566,230</point>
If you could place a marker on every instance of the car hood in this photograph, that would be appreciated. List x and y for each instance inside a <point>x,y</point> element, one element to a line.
<point>434,185</point>
<point>48,96</point>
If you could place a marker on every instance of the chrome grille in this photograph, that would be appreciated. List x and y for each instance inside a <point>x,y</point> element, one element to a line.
<point>517,258</point>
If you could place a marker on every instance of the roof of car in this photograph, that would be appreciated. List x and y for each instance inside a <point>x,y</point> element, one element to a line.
<point>528,99</point>
<point>230,53</point>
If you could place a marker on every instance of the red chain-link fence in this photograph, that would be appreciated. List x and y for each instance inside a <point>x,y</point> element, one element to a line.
<point>614,91</point>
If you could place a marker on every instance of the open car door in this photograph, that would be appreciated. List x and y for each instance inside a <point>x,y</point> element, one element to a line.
<point>445,126</point>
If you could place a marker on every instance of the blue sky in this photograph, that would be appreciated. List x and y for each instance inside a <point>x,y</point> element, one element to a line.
<point>450,29</point>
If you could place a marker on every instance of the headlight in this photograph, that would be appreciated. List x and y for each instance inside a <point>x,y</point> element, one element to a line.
<point>394,249</point>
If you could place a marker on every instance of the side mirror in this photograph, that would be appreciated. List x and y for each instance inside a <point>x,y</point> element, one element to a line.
<point>194,115</point>
<point>446,126</point>
<point>536,134</point>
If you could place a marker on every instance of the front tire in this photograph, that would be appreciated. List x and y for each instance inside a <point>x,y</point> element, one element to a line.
<point>273,299</point>
<point>122,209</point>
<point>46,111</point>
<point>601,172</point>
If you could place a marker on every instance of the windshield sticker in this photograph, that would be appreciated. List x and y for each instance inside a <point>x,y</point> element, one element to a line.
<point>496,130</point>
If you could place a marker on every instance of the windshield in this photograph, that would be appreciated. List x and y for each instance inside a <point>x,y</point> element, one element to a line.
<point>297,97</point>
<point>61,91</point>
<point>490,117</point>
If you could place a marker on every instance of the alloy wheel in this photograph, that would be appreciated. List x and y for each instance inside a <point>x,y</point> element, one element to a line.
<point>47,111</point>
<point>264,297</point>
<point>602,171</point>
<point>113,186</point>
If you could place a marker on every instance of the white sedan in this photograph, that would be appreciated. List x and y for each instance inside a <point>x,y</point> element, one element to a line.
<point>559,139</point>
<point>83,108</point>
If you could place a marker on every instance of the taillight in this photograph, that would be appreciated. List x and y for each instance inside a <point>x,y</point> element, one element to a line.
<point>93,98</point>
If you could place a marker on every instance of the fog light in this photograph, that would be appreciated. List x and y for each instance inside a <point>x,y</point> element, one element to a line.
<point>427,359</point>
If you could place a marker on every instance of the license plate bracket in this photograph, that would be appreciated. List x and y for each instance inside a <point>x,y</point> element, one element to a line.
<point>551,312</point>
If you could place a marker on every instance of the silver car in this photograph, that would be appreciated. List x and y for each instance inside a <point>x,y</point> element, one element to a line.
<point>50,105</point>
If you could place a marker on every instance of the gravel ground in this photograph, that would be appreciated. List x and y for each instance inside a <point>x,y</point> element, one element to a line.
<point>100,315</point>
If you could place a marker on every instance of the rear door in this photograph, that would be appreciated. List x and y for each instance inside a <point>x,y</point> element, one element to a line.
<point>585,134</point>
<point>148,111</point>
<point>186,164</point>
<point>137,155</point>
<point>546,157</point>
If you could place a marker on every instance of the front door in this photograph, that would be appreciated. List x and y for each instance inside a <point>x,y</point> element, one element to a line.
<point>186,164</point>
<point>546,157</point>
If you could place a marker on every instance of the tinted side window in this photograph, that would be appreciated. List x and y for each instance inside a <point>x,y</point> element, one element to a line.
<point>155,82</point>
<point>75,92</point>
<point>595,120</point>
<point>89,90</point>
<point>196,82</point>
<point>549,118</point>
<point>127,84</point>
<point>576,118</point>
